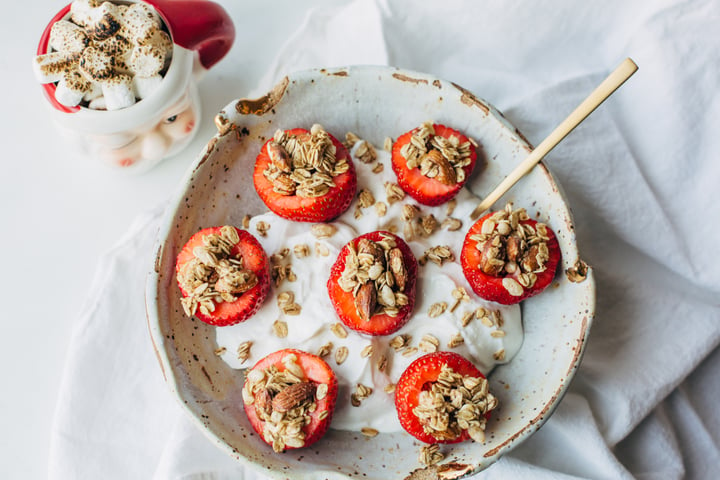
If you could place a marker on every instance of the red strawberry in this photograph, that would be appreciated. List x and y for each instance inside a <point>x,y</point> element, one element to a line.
<point>261,402</point>
<point>441,188</point>
<point>345,302</point>
<point>299,208</point>
<point>490,283</point>
<point>420,376</point>
<point>254,260</point>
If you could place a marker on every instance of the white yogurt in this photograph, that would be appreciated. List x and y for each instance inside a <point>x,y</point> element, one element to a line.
<point>310,330</point>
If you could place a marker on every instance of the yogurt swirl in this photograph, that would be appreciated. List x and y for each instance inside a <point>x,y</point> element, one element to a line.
<point>486,342</point>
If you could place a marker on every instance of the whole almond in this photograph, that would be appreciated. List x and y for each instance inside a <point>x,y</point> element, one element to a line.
<point>279,156</point>
<point>446,173</point>
<point>366,300</point>
<point>397,266</point>
<point>491,259</point>
<point>292,396</point>
<point>513,248</point>
<point>530,261</point>
<point>263,401</point>
<point>371,248</point>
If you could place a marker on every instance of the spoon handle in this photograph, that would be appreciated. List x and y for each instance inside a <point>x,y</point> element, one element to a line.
<point>626,69</point>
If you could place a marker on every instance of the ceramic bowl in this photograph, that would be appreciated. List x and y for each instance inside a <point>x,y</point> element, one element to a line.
<point>373,102</point>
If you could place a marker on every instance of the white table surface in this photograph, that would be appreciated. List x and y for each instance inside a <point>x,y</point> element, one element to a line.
<point>60,213</point>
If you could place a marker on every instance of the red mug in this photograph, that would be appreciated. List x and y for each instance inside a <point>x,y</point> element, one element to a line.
<point>138,136</point>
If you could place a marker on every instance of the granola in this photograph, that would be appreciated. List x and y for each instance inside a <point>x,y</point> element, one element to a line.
<point>436,156</point>
<point>455,403</point>
<point>303,165</point>
<point>283,400</point>
<point>215,274</point>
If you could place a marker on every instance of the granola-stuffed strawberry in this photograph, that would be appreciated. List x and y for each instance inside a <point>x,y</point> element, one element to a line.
<point>443,398</point>
<point>289,398</point>
<point>372,283</point>
<point>508,257</point>
<point>432,162</point>
<point>223,274</point>
<point>305,176</point>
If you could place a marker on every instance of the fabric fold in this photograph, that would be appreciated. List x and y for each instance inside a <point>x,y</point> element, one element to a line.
<point>347,34</point>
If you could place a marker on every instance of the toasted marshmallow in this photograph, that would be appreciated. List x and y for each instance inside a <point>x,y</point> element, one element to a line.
<point>66,37</point>
<point>94,92</point>
<point>80,11</point>
<point>157,37</point>
<point>147,60</point>
<point>117,46</point>
<point>120,49</point>
<point>97,103</point>
<point>143,9</point>
<point>72,88</point>
<point>139,22</point>
<point>97,65</point>
<point>105,21</point>
<point>145,86</point>
<point>50,67</point>
<point>118,92</point>
<point>160,39</point>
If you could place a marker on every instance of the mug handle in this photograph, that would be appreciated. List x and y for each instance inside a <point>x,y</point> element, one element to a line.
<point>198,25</point>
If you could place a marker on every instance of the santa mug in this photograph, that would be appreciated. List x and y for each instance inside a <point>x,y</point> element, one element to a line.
<point>121,77</point>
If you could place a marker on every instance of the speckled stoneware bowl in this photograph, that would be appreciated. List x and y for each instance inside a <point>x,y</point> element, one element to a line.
<point>373,102</point>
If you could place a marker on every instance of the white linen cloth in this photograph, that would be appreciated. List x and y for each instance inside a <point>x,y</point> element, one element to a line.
<point>639,175</point>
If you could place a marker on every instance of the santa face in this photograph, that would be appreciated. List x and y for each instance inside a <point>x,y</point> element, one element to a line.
<point>163,137</point>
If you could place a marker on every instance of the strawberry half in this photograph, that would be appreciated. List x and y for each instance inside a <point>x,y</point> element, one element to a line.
<point>381,301</point>
<point>241,278</point>
<point>420,400</point>
<point>285,389</point>
<point>411,163</point>
<point>505,264</point>
<point>277,172</point>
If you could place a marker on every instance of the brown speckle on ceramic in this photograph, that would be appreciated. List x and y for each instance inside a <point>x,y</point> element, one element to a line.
<point>264,104</point>
<point>578,272</point>
<point>375,102</point>
<point>337,73</point>
<point>407,78</point>
<point>471,100</point>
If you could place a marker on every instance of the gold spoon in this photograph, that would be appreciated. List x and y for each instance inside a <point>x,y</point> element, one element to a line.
<point>624,71</point>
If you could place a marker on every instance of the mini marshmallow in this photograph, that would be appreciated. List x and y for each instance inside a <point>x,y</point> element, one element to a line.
<point>147,60</point>
<point>50,67</point>
<point>160,39</point>
<point>94,92</point>
<point>80,11</point>
<point>121,9</point>
<point>139,22</point>
<point>98,103</point>
<point>145,86</point>
<point>118,92</point>
<point>146,10</point>
<point>104,21</point>
<point>71,89</point>
<point>96,65</point>
<point>120,49</point>
<point>117,46</point>
<point>66,37</point>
